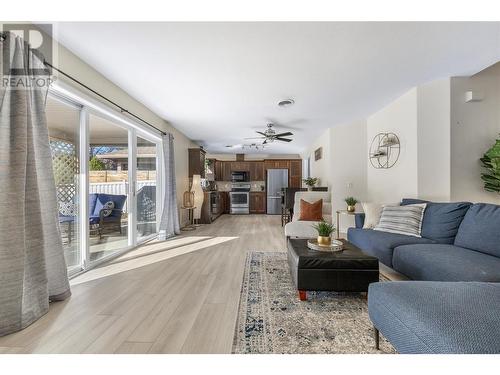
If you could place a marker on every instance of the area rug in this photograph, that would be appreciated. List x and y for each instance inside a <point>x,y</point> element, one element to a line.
<point>272,319</point>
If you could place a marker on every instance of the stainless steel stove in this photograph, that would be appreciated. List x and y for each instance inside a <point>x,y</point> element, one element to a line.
<point>239,197</point>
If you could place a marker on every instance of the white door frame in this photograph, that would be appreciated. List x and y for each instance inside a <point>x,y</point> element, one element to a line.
<point>83,198</point>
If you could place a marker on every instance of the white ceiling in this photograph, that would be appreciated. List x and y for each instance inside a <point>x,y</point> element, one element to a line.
<point>219,82</point>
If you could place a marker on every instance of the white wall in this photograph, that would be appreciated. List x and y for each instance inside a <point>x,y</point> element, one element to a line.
<point>347,165</point>
<point>474,128</point>
<point>320,168</point>
<point>400,117</point>
<point>433,140</point>
<point>74,66</point>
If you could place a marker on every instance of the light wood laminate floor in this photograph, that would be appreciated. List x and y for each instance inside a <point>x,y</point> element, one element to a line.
<point>178,296</point>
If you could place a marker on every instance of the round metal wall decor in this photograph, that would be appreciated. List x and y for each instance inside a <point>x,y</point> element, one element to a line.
<point>384,150</point>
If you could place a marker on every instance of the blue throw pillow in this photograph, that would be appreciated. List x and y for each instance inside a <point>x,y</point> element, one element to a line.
<point>441,220</point>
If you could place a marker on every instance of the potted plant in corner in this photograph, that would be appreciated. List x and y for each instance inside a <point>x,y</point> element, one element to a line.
<point>491,163</point>
<point>310,182</point>
<point>324,233</point>
<point>351,204</point>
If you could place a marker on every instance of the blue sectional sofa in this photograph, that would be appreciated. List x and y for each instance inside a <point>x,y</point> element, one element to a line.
<point>453,305</point>
<point>460,242</point>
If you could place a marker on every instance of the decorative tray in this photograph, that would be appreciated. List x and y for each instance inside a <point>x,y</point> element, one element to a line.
<point>334,247</point>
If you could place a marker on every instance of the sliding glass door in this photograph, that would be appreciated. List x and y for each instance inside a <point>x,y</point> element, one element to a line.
<point>107,179</point>
<point>109,203</point>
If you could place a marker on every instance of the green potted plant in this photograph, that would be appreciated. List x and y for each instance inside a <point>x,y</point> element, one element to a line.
<point>351,203</point>
<point>310,182</point>
<point>324,233</point>
<point>491,163</point>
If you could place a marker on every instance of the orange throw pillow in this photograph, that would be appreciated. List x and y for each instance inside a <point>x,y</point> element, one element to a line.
<point>311,211</point>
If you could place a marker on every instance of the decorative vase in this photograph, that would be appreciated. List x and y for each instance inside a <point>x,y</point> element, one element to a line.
<point>310,188</point>
<point>324,240</point>
<point>351,208</point>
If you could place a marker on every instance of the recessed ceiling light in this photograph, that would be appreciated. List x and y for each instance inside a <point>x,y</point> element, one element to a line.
<point>286,103</point>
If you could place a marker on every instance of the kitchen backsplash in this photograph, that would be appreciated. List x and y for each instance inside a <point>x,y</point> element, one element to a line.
<point>254,185</point>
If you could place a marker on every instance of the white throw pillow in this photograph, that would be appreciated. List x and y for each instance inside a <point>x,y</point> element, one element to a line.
<point>372,213</point>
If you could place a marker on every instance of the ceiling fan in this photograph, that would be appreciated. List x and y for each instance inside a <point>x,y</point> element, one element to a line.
<point>269,135</point>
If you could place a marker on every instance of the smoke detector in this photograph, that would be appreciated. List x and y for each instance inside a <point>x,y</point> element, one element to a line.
<point>286,103</point>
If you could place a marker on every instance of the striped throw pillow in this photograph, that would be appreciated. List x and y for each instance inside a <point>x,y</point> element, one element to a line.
<point>402,219</point>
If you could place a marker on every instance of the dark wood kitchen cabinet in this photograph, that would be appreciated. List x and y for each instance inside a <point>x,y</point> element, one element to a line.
<point>196,163</point>
<point>257,171</point>
<point>226,171</point>
<point>257,202</point>
<point>295,174</point>
<point>224,202</point>
<point>238,166</point>
<point>277,164</point>
<point>218,171</point>
<point>215,203</point>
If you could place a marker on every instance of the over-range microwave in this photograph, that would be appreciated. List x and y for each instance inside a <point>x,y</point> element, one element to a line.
<point>240,176</point>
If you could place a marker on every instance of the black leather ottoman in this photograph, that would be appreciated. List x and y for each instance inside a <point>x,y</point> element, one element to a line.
<point>350,270</point>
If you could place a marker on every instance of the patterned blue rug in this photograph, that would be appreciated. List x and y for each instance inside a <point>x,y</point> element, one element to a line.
<point>272,319</point>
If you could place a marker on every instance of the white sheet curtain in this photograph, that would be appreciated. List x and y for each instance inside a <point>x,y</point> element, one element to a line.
<point>169,223</point>
<point>32,266</point>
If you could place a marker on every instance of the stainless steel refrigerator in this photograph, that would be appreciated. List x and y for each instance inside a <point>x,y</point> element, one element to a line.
<point>276,180</point>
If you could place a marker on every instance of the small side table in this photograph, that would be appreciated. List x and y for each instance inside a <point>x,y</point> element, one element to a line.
<point>190,211</point>
<point>344,212</point>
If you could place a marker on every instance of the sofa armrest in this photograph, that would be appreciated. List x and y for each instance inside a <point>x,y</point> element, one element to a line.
<point>359,220</point>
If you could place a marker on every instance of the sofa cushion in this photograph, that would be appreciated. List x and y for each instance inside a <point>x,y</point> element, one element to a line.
<point>441,220</point>
<point>102,199</point>
<point>480,229</point>
<point>442,262</point>
<point>437,317</point>
<point>381,244</point>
